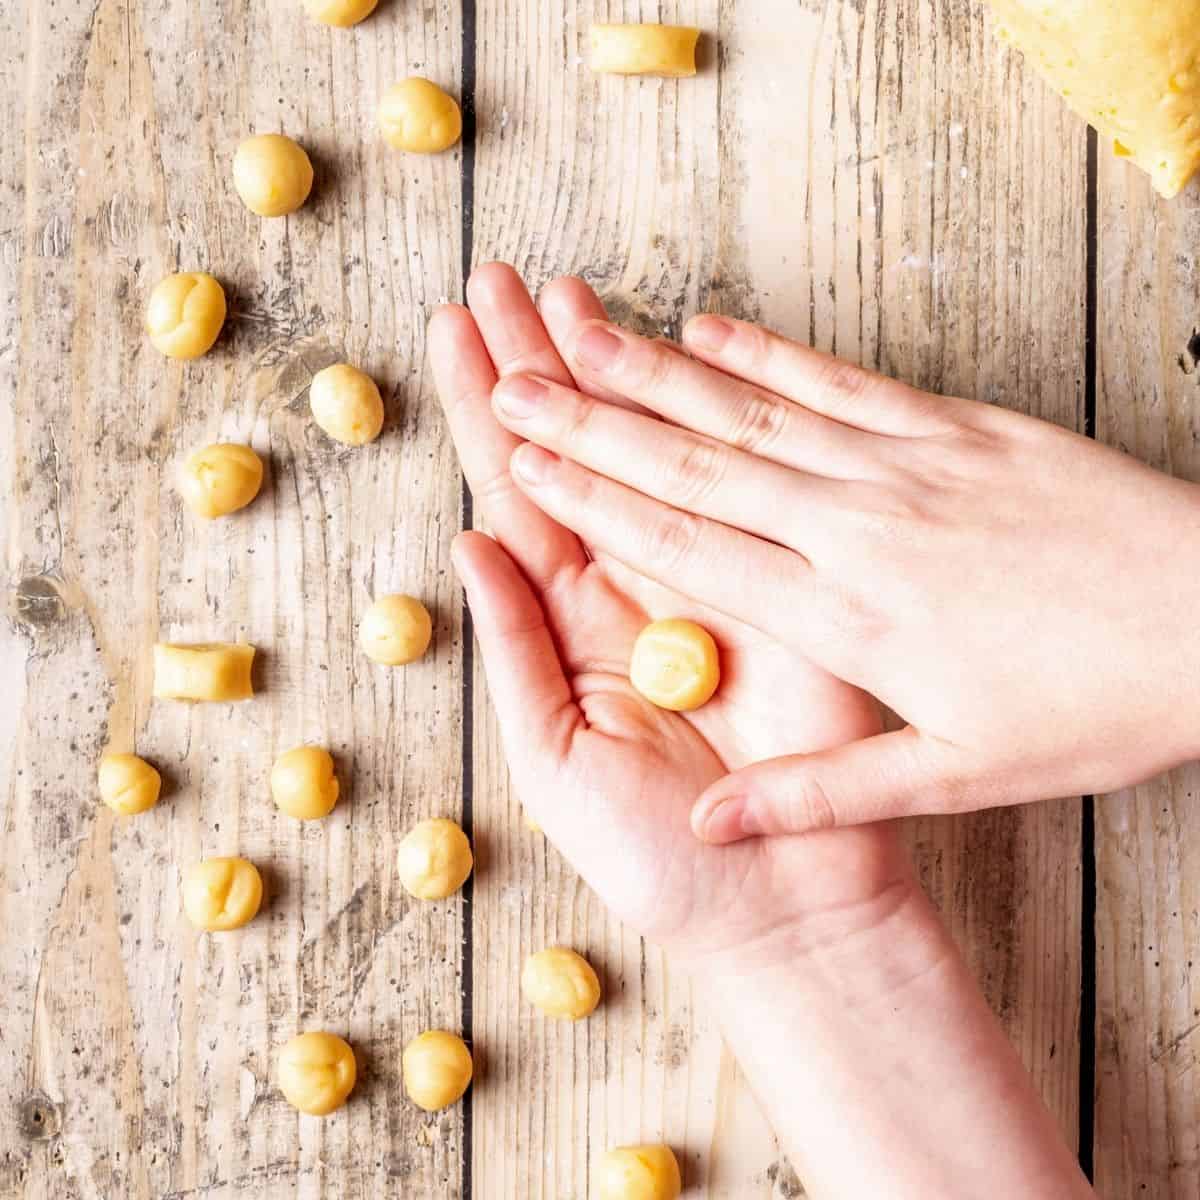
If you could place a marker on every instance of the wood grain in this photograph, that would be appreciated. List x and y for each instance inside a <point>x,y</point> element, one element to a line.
<point>1148,838</point>
<point>877,177</point>
<point>137,1056</point>
<point>883,181</point>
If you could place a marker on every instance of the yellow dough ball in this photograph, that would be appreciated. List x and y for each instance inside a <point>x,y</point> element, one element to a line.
<point>675,665</point>
<point>437,1069</point>
<point>561,983</point>
<point>395,630</point>
<point>434,859</point>
<point>212,671</point>
<point>666,50</point>
<point>346,403</point>
<point>221,893</point>
<point>272,174</point>
<point>184,314</point>
<point>417,116</point>
<point>341,13</point>
<point>303,783</point>
<point>316,1073</point>
<point>219,479</point>
<point>638,1173</point>
<point>128,784</point>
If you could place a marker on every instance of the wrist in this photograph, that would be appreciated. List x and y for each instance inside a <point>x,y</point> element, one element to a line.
<point>866,953</point>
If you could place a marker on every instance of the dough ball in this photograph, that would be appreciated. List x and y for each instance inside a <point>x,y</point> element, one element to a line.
<point>219,479</point>
<point>303,783</point>
<point>316,1073</point>
<point>395,630</point>
<point>434,859</point>
<point>437,1069</point>
<point>638,1173</point>
<point>184,314</point>
<point>675,665</point>
<point>214,671</point>
<point>272,174</point>
<point>221,893</point>
<point>128,784</point>
<point>346,404</point>
<point>667,50</point>
<point>417,116</point>
<point>341,13</point>
<point>561,983</point>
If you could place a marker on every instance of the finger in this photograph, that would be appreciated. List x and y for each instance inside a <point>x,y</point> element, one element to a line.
<point>692,394</point>
<point>725,569</point>
<point>537,713</point>
<point>681,468</point>
<point>515,336</point>
<point>891,775</point>
<point>828,385</point>
<point>564,304</point>
<point>464,376</point>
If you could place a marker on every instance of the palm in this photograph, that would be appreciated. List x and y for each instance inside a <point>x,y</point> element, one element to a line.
<point>641,767</point>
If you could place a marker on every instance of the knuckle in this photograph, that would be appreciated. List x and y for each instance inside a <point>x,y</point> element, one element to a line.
<point>841,384</point>
<point>855,621</point>
<point>810,808</point>
<point>758,421</point>
<point>495,490</point>
<point>694,472</point>
<point>672,538</point>
<point>654,366</point>
<point>578,420</point>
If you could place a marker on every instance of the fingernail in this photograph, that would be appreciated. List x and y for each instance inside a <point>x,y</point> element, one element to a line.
<point>709,333</point>
<point>519,395</point>
<point>533,464</point>
<point>597,348</point>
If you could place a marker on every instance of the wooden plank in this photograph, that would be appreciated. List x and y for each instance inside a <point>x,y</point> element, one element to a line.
<point>1148,838</point>
<point>137,1056</point>
<point>616,179</point>
<point>882,181</point>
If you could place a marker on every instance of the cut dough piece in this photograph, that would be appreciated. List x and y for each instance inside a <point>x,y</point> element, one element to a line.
<point>316,1073</point>
<point>434,859</point>
<point>561,983</point>
<point>417,116</point>
<point>220,894</point>
<point>639,1173</point>
<point>340,13</point>
<point>304,783</point>
<point>216,671</point>
<point>218,480</point>
<point>437,1069</point>
<point>1130,67</point>
<point>346,404</point>
<point>272,174</point>
<point>395,630</point>
<point>128,784</point>
<point>666,50</point>
<point>184,314</point>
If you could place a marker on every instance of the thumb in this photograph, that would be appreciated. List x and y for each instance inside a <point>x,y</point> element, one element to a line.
<point>874,779</point>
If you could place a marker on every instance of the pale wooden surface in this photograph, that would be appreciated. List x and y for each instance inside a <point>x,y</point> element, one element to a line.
<point>878,177</point>
<point>1148,838</point>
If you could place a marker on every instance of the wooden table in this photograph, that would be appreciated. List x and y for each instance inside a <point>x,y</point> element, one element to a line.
<point>879,177</point>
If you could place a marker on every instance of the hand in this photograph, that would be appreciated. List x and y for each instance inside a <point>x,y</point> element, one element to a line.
<point>609,777</point>
<point>1024,598</point>
<point>835,983</point>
